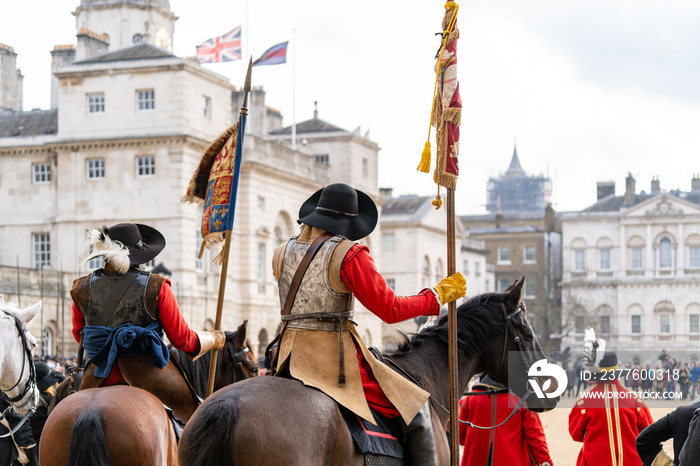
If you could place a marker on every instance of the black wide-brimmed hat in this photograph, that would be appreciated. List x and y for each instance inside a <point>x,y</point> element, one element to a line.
<point>143,242</point>
<point>340,209</point>
<point>609,360</point>
<point>45,376</point>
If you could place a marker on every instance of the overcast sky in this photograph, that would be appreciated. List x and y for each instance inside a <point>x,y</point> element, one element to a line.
<point>590,90</point>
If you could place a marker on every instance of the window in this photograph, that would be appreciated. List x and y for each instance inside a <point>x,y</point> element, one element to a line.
<point>278,236</point>
<point>261,203</point>
<point>605,259</point>
<point>322,159</point>
<point>665,258</point>
<point>96,262</point>
<point>529,254</point>
<point>391,283</point>
<point>261,262</point>
<point>151,263</point>
<point>694,323</point>
<point>503,284</point>
<point>579,323</point>
<point>47,344</point>
<point>388,242</point>
<point>96,102</point>
<point>664,323</point>
<point>41,244</point>
<point>637,325</point>
<point>605,324</point>
<point>465,267</point>
<point>477,269</point>
<point>637,258</point>
<point>504,255</point>
<point>146,166</point>
<point>146,99</point>
<point>95,169</point>
<point>530,290</point>
<point>365,167</point>
<point>41,173</point>
<point>579,260</point>
<point>206,106</point>
<point>694,257</point>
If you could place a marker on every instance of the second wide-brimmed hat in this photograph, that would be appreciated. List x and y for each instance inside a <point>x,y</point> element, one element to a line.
<point>340,209</point>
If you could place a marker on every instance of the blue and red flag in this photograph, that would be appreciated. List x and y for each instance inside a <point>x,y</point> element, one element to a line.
<point>222,48</point>
<point>275,55</point>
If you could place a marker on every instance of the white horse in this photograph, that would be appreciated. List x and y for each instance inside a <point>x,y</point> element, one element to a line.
<point>17,376</point>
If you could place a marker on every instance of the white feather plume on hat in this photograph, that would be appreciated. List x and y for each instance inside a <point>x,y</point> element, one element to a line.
<point>112,251</point>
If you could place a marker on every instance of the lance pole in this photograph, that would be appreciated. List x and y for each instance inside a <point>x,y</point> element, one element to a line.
<point>229,221</point>
<point>452,337</point>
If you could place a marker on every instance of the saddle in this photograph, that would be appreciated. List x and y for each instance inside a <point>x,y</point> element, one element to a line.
<point>379,443</point>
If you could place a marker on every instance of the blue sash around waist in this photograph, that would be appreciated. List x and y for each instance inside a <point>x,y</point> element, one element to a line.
<point>105,344</point>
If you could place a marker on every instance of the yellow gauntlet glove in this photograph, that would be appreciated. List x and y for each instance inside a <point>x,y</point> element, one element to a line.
<point>451,288</point>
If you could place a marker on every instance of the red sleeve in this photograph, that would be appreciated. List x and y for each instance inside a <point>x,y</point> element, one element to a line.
<point>644,418</point>
<point>534,436</point>
<point>360,275</point>
<point>577,423</point>
<point>78,322</point>
<point>463,416</point>
<point>174,325</point>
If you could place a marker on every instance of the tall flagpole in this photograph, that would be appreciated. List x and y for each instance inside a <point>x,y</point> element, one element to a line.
<point>294,90</point>
<point>229,222</point>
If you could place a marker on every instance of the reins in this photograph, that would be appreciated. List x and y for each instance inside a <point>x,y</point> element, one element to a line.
<point>31,382</point>
<point>510,328</point>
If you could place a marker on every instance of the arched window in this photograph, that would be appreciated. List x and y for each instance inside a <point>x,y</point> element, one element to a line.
<point>263,341</point>
<point>47,346</point>
<point>439,271</point>
<point>665,253</point>
<point>426,278</point>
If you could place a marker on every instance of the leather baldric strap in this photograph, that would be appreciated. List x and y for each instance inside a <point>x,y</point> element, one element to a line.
<point>301,270</point>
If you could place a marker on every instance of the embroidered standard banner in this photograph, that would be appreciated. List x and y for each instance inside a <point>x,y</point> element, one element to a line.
<point>211,185</point>
<point>448,112</point>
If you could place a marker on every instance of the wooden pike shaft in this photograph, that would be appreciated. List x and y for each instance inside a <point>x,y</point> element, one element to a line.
<point>229,231</point>
<point>452,337</point>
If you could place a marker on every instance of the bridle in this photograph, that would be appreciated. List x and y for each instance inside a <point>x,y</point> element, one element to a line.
<point>30,384</point>
<point>524,354</point>
<point>237,357</point>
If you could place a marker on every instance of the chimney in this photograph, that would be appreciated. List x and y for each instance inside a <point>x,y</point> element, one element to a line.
<point>695,182</point>
<point>549,225</point>
<point>655,185</point>
<point>605,188</point>
<point>11,80</point>
<point>90,44</point>
<point>386,193</point>
<point>629,188</point>
<point>61,55</point>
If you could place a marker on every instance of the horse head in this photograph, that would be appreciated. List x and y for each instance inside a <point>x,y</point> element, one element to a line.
<point>241,361</point>
<point>523,367</point>
<point>17,376</point>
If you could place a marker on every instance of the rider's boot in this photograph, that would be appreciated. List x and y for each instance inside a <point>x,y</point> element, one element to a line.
<point>417,439</point>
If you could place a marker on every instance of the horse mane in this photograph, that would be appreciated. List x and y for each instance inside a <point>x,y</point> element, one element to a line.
<point>479,321</point>
<point>197,372</point>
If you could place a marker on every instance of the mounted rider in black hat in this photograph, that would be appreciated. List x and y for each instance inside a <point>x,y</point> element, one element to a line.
<point>319,272</point>
<point>120,313</point>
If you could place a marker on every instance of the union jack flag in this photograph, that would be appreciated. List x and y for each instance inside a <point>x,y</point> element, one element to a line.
<point>220,49</point>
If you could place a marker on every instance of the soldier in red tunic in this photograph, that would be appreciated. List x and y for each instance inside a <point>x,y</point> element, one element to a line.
<point>519,442</point>
<point>607,418</point>
<point>120,313</point>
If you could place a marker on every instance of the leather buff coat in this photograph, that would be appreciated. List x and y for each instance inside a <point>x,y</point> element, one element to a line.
<point>311,348</point>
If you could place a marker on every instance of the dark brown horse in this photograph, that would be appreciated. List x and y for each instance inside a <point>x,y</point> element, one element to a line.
<point>277,421</point>
<point>123,425</point>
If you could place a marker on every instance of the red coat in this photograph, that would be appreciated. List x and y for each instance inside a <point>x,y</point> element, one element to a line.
<point>607,418</point>
<point>514,442</point>
<point>174,326</point>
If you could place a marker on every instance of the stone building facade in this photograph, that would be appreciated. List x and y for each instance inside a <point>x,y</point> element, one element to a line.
<point>631,265</point>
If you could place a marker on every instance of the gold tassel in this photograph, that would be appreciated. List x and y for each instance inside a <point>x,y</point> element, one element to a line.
<point>424,165</point>
<point>437,202</point>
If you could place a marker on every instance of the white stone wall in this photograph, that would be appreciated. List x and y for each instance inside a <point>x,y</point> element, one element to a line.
<point>623,291</point>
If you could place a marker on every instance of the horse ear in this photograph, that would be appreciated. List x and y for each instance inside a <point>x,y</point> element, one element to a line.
<point>241,334</point>
<point>26,316</point>
<point>514,293</point>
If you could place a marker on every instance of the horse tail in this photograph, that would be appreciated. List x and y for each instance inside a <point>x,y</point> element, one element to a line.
<point>208,436</point>
<point>88,444</point>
